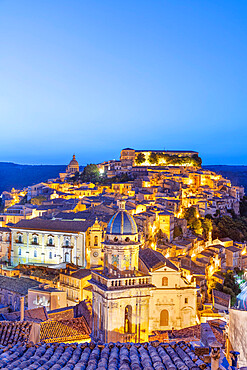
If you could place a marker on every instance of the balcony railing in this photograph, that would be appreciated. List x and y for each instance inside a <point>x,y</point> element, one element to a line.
<point>50,245</point>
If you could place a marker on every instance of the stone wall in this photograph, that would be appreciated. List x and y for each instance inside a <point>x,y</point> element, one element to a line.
<point>238,334</point>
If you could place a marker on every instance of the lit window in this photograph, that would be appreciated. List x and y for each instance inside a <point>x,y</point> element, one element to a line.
<point>164,281</point>
<point>50,255</point>
<point>35,253</point>
<point>19,251</point>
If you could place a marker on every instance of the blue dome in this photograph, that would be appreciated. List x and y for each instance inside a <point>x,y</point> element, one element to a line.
<point>122,224</point>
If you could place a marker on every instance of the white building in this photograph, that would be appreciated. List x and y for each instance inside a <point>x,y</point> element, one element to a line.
<point>49,242</point>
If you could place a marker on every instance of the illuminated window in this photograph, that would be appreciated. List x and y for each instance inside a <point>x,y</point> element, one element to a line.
<point>19,251</point>
<point>35,253</point>
<point>95,241</point>
<point>128,319</point>
<point>164,318</point>
<point>50,255</point>
<point>164,281</point>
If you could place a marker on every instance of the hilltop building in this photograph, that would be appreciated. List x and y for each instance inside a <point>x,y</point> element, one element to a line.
<point>71,170</point>
<point>73,166</point>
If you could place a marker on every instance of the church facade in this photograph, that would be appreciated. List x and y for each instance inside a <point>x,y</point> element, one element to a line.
<point>121,292</point>
<point>137,290</point>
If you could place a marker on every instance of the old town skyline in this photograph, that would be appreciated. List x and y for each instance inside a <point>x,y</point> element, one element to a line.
<point>98,76</point>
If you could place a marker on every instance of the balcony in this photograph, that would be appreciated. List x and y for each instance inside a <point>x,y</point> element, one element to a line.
<point>50,245</point>
<point>19,241</point>
<point>35,243</point>
<point>68,246</point>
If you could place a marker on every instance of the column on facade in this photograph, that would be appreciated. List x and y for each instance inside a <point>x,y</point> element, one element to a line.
<point>75,250</point>
<point>12,249</point>
<point>27,251</point>
<point>43,249</point>
<point>60,250</point>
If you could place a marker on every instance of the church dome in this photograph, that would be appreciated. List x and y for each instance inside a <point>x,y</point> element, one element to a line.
<point>73,162</point>
<point>122,223</point>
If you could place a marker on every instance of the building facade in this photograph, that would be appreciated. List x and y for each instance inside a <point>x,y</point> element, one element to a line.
<point>49,241</point>
<point>120,291</point>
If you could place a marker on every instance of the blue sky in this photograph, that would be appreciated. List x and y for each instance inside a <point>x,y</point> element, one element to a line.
<point>92,77</point>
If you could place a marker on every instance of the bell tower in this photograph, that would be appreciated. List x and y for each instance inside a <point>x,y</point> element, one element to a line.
<point>120,291</point>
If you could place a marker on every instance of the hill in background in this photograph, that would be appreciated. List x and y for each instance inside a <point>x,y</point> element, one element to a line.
<point>19,176</point>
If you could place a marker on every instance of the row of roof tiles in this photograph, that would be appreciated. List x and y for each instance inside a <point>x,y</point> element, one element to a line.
<point>127,356</point>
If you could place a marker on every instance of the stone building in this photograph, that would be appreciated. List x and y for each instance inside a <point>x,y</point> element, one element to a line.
<point>73,166</point>
<point>74,282</point>
<point>5,242</point>
<point>120,291</point>
<point>54,242</point>
<point>173,301</point>
<point>46,296</point>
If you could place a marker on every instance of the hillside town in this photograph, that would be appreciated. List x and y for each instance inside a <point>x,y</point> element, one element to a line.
<point>120,257</point>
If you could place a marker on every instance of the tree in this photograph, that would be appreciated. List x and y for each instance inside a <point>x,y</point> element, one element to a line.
<point>207,226</point>
<point>196,160</point>
<point>140,158</point>
<point>153,158</point>
<point>177,231</point>
<point>90,173</point>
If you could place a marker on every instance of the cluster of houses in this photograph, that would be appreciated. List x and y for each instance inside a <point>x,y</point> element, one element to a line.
<point>106,258</point>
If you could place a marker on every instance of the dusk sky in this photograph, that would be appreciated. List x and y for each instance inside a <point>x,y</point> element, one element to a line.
<point>93,77</point>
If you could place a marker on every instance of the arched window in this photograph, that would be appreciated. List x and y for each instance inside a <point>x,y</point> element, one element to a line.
<point>164,281</point>
<point>164,318</point>
<point>67,242</point>
<point>127,239</point>
<point>35,240</point>
<point>50,255</point>
<point>20,239</point>
<point>96,241</point>
<point>50,241</point>
<point>35,253</point>
<point>67,259</point>
<point>128,319</point>
<point>19,251</point>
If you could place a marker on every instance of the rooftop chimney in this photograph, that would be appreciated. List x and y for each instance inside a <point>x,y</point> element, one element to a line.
<point>22,309</point>
<point>215,355</point>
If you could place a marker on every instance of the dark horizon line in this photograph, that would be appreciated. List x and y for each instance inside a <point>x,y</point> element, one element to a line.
<point>83,165</point>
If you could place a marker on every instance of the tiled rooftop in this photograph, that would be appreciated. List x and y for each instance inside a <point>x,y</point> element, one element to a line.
<point>64,330</point>
<point>147,356</point>
<point>14,332</point>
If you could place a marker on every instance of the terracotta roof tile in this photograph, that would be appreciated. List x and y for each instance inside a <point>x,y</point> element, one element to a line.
<point>124,356</point>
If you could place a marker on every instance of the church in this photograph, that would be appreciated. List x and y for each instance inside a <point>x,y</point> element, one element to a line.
<point>137,290</point>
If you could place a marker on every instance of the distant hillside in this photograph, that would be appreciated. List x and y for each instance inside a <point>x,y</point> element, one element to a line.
<point>237,174</point>
<point>19,176</point>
